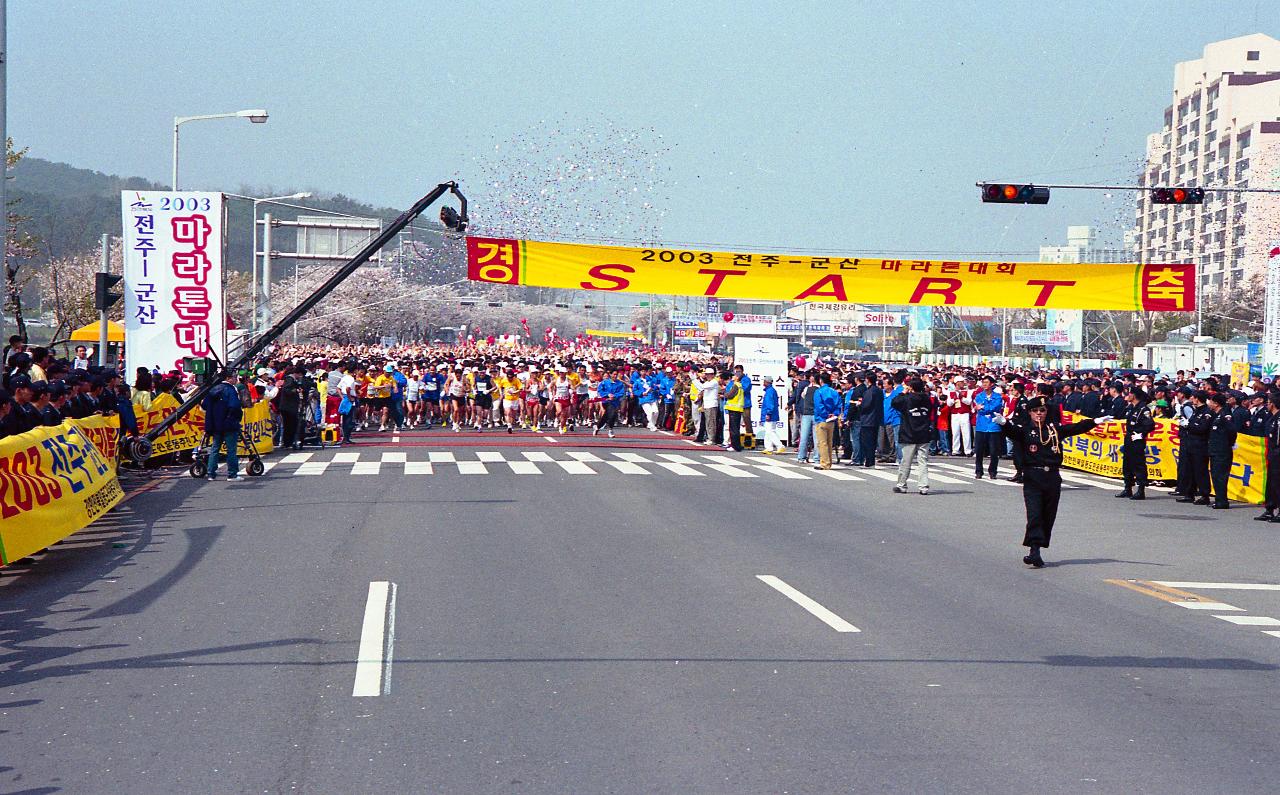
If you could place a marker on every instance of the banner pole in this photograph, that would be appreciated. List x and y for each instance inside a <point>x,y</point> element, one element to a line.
<point>104,266</point>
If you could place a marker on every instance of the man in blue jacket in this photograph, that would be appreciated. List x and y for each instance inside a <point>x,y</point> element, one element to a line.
<point>770,418</point>
<point>610,391</point>
<point>222,413</point>
<point>988,436</point>
<point>827,408</point>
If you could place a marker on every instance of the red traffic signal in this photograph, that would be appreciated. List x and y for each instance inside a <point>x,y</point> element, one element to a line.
<point>1014,194</point>
<point>1177,196</point>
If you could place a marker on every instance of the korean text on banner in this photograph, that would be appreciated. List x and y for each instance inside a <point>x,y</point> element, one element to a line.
<point>795,277</point>
<point>764,358</point>
<point>187,432</point>
<point>54,481</point>
<point>173,260</point>
<point>1098,452</point>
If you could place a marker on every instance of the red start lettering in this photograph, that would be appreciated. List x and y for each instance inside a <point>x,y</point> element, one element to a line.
<point>602,272</point>
<point>1046,289</point>
<point>718,276</point>
<point>829,286</point>
<point>946,288</point>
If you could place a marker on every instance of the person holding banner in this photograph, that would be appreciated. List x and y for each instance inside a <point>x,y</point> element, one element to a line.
<point>1041,440</point>
<point>222,413</point>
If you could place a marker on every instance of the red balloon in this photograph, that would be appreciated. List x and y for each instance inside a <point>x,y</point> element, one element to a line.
<point>524,321</point>
<point>728,317</point>
<point>491,339</point>
<point>548,330</point>
<point>635,328</point>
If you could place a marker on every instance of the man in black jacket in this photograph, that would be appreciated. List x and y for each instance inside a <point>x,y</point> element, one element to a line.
<point>1222,441</point>
<point>1272,495</point>
<point>1138,423</point>
<point>1193,447</point>
<point>870,418</point>
<point>915,434</point>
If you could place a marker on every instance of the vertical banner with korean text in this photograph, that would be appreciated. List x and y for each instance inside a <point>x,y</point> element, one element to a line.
<point>173,260</point>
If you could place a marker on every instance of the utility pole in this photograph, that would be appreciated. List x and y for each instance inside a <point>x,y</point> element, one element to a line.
<point>4,170</point>
<point>266,271</point>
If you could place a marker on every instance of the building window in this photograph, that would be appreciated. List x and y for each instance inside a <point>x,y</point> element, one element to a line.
<point>1242,142</point>
<point>1251,55</point>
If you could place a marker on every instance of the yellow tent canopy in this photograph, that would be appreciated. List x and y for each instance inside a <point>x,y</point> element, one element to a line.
<point>89,333</point>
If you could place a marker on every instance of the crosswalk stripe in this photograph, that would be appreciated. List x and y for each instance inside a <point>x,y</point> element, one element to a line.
<point>576,468</point>
<point>490,456</point>
<point>836,474</point>
<point>675,458</point>
<point>587,457</point>
<point>417,468</point>
<point>781,472</point>
<point>878,473</point>
<point>524,468</point>
<point>312,468</point>
<point>680,469</point>
<point>366,467</point>
<point>634,457</point>
<point>539,456</point>
<point>345,458</point>
<point>725,459</point>
<point>267,466</point>
<point>297,458</point>
<point>472,468</point>
<point>394,458</point>
<point>628,467</point>
<point>444,457</point>
<point>732,471</point>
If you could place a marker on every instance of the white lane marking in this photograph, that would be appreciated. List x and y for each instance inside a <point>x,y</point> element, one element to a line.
<point>267,466</point>
<point>312,468</point>
<point>366,467</point>
<point>627,467</point>
<point>490,456</point>
<point>1252,621</point>
<point>524,468</point>
<point>552,439</point>
<point>668,433</point>
<point>781,472</point>
<point>296,458</point>
<point>576,468</point>
<point>345,458</point>
<point>1271,632</point>
<point>675,458</point>
<point>818,611</point>
<point>836,474</point>
<point>777,462</point>
<point>725,459</point>
<point>879,473</point>
<point>1190,605</point>
<point>445,457</point>
<point>732,471</point>
<point>394,458</point>
<point>1226,586</point>
<point>942,478</point>
<point>472,468</point>
<point>539,456</point>
<point>417,468</point>
<point>1087,481</point>
<point>377,635</point>
<point>680,469</point>
<point>395,439</point>
<point>591,458</point>
<point>634,458</point>
<point>692,442</point>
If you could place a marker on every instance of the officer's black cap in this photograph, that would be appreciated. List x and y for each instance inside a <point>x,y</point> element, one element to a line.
<point>1038,402</point>
<point>1219,398</point>
<point>1140,395</point>
<point>19,382</point>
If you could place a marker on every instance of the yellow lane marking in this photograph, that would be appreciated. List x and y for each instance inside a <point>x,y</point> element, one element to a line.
<point>1162,592</point>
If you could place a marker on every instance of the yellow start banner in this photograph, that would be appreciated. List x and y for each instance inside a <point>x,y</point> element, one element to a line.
<point>54,481</point>
<point>1099,452</point>
<point>186,433</point>
<point>796,277</point>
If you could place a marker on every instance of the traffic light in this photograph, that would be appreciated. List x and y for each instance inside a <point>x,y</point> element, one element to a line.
<point>103,298</point>
<point>1014,194</point>
<point>1177,196</point>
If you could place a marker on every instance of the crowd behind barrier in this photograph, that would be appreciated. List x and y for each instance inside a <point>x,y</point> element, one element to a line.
<point>1217,444</point>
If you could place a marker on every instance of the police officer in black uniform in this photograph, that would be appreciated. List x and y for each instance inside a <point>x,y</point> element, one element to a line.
<point>1271,496</point>
<point>1018,413</point>
<point>1222,441</point>
<point>1138,423</point>
<point>1194,450</point>
<point>1041,442</point>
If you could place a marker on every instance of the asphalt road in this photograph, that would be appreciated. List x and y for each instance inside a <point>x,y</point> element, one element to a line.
<point>570,615</point>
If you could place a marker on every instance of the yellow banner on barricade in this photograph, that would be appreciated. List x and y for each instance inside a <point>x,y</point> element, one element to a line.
<point>1099,452</point>
<point>1124,286</point>
<point>187,432</point>
<point>54,481</point>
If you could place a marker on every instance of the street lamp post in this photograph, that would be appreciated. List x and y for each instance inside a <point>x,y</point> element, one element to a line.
<point>257,116</point>
<point>254,261</point>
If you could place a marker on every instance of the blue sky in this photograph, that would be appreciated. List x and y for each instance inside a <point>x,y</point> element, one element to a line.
<point>845,126</point>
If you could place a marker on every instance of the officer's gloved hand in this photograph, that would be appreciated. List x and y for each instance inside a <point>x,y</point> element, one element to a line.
<point>1182,422</point>
<point>1103,420</point>
<point>999,419</point>
<point>1135,437</point>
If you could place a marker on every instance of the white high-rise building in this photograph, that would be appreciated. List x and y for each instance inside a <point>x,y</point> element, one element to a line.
<point>1082,246</point>
<point>1222,130</point>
